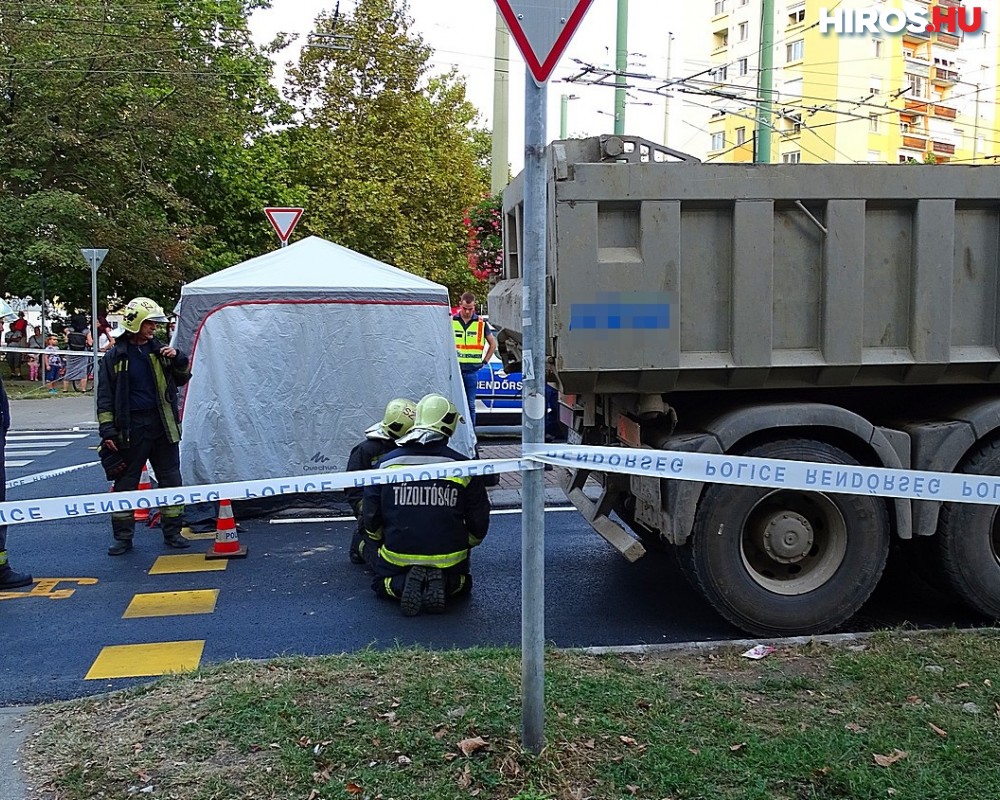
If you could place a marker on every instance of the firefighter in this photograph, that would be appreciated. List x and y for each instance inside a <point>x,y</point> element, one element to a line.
<point>138,416</point>
<point>9,579</point>
<point>379,439</point>
<point>420,533</point>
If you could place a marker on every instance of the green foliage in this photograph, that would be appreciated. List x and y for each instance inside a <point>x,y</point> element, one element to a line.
<point>390,152</point>
<point>117,124</point>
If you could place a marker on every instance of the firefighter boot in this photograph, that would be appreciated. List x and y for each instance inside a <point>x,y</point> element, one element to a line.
<point>172,525</point>
<point>123,528</point>
<point>10,579</point>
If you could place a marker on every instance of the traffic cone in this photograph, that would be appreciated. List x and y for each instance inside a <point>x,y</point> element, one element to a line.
<point>142,514</point>
<point>227,537</point>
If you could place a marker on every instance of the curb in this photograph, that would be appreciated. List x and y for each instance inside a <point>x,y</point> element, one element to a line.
<point>14,730</point>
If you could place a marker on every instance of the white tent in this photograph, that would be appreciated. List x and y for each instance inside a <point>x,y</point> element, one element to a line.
<point>296,352</point>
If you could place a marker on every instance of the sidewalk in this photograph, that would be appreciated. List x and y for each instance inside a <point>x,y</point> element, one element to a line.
<point>59,412</point>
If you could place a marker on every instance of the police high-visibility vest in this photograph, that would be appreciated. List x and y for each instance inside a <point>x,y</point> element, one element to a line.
<point>469,341</point>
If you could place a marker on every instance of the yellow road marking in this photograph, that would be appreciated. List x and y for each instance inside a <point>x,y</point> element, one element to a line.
<point>168,604</point>
<point>187,533</point>
<point>144,660</point>
<point>189,562</point>
<point>46,587</point>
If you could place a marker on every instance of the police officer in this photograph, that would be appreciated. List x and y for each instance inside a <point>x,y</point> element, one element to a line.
<point>138,417</point>
<point>472,333</point>
<point>9,579</point>
<point>424,530</point>
<point>379,439</point>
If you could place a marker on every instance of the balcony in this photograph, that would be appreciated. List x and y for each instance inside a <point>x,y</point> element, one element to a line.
<point>945,77</point>
<point>944,148</point>
<point>950,3</point>
<point>945,112</point>
<point>948,40</point>
<point>916,106</point>
<point>914,142</point>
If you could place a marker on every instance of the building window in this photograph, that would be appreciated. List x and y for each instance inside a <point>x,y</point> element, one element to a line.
<point>795,157</point>
<point>875,157</point>
<point>743,2</point>
<point>904,127</point>
<point>959,137</point>
<point>741,135</point>
<point>873,123</point>
<point>875,85</point>
<point>917,85</point>
<point>720,7</point>
<point>796,15</point>
<point>720,75</point>
<point>718,141</point>
<point>744,29</point>
<point>794,50</point>
<point>720,39</point>
<point>877,45</point>
<point>742,67</point>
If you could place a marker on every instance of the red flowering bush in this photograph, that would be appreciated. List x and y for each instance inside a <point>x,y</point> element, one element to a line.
<point>485,245</point>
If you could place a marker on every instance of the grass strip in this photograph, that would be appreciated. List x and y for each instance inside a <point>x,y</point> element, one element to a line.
<point>900,715</point>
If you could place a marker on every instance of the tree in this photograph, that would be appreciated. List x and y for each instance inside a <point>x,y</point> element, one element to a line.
<point>120,124</point>
<point>390,152</point>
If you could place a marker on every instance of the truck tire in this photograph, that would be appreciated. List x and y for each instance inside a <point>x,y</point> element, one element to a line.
<point>969,540</point>
<point>787,562</point>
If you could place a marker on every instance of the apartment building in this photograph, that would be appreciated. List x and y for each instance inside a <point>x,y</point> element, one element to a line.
<point>853,97</point>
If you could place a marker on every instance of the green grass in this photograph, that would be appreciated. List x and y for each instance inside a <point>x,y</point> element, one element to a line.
<point>806,722</point>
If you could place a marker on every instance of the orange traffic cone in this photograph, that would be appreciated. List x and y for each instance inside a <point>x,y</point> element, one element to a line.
<point>227,538</point>
<point>142,514</point>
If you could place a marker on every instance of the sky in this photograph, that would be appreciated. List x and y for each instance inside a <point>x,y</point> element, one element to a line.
<point>462,35</point>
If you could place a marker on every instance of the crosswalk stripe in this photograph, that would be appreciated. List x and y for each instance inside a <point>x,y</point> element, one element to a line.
<point>20,437</point>
<point>7,463</point>
<point>37,443</point>
<point>23,453</point>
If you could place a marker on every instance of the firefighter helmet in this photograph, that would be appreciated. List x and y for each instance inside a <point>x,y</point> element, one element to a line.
<point>396,422</point>
<point>141,310</point>
<point>437,413</point>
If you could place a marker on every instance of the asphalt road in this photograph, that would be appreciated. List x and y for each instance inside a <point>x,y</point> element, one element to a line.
<point>296,593</point>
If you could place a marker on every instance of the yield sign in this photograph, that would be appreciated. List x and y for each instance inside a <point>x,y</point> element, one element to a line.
<point>283,220</point>
<point>542,30</point>
<point>94,256</point>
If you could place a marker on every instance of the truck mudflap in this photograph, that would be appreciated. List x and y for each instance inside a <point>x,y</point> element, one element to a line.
<point>596,513</point>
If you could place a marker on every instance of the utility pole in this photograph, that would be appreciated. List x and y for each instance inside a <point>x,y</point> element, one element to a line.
<point>621,66</point>
<point>501,106</point>
<point>666,98</point>
<point>765,84</point>
<point>564,112</point>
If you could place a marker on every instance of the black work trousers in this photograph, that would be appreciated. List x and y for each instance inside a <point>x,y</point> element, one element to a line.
<point>148,442</point>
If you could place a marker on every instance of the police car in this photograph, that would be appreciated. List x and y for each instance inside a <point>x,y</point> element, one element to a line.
<point>498,402</point>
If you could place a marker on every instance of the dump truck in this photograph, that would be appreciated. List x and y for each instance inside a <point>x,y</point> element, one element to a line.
<point>842,314</point>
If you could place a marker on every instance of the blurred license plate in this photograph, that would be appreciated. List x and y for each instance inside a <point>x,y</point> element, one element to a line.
<point>573,437</point>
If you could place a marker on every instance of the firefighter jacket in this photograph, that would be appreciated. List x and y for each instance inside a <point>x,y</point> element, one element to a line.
<point>365,456</point>
<point>113,413</point>
<point>429,523</point>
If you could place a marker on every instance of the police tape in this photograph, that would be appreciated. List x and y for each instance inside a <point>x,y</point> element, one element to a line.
<point>768,473</point>
<point>771,473</point>
<point>54,473</point>
<point>14,512</point>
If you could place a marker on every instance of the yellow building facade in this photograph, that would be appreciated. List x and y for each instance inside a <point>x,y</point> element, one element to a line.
<point>852,97</point>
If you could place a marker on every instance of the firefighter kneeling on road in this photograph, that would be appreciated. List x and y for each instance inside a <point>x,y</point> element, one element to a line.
<point>418,534</point>
<point>379,439</point>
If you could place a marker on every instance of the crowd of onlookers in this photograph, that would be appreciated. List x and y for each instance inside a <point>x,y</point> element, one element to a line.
<point>49,358</point>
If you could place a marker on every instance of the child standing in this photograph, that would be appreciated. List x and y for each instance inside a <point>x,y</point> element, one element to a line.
<point>55,366</point>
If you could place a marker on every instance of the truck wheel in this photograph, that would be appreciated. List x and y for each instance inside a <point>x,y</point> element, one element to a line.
<point>786,562</point>
<point>969,541</point>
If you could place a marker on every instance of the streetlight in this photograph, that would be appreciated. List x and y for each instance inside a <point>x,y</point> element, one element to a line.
<point>563,109</point>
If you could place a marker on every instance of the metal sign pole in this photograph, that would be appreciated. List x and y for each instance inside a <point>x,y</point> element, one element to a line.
<point>93,321</point>
<point>533,428</point>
